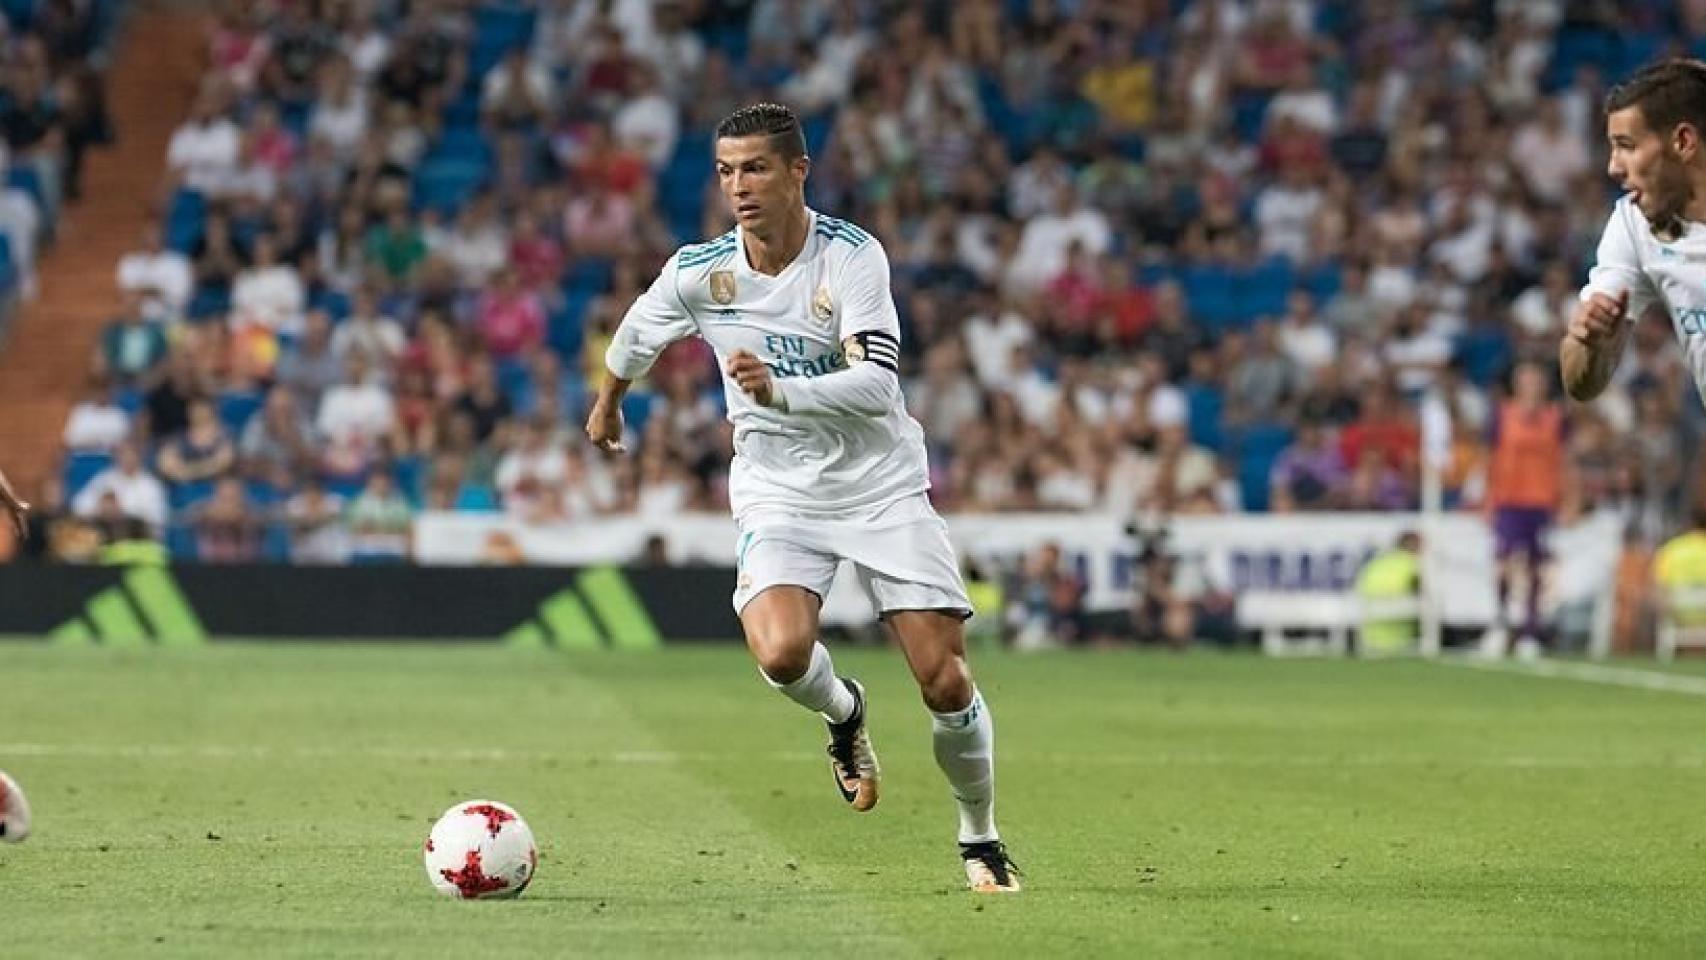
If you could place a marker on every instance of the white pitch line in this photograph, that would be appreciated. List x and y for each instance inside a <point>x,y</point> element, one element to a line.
<point>1590,673</point>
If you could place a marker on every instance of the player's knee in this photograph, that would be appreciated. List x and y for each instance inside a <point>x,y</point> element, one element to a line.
<point>946,686</point>
<point>784,655</point>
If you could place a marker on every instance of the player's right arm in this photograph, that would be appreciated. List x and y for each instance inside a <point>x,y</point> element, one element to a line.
<point>1618,291</point>
<point>657,318</point>
<point>1593,345</point>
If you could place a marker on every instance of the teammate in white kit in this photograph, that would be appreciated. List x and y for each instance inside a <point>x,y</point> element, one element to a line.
<point>1654,247</point>
<point>828,466</point>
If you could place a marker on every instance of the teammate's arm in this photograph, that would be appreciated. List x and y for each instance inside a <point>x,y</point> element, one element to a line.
<point>656,319</point>
<point>1593,345</point>
<point>1617,293</point>
<point>870,340</point>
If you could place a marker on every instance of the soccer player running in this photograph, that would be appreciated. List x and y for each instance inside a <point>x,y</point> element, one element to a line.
<point>828,466</point>
<point>1654,247</point>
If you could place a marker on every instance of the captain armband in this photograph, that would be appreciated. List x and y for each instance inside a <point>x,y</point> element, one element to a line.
<point>876,346</point>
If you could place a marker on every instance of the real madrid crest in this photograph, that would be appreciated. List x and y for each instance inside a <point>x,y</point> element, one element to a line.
<point>822,307</point>
<point>723,286</point>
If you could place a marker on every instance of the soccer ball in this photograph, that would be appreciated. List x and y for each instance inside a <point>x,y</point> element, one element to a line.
<point>481,850</point>
<point>14,810</point>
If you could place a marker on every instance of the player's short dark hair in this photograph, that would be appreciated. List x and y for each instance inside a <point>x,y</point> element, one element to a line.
<point>1668,92</point>
<point>767,120</point>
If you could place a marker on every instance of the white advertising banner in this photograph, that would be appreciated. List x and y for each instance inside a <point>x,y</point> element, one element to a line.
<point>1285,552</point>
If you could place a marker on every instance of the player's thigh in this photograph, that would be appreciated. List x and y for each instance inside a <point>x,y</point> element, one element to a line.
<point>778,593</point>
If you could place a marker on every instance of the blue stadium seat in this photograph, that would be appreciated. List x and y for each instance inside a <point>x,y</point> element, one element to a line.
<point>445,185</point>
<point>182,496</point>
<point>185,220</point>
<point>235,409</point>
<point>20,13</point>
<point>505,24</point>
<point>8,268</point>
<point>81,466</point>
<point>346,487</point>
<point>566,324</point>
<point>1485,354</point>
<point>410,475</point>
<point>1258,446</point>
<point>514,380</point>
<point>275,544</point>
<point>637,410</point>
<point>209,302</point>
<point>24,177</point>
<point>477,499</point>
<point>1206,406</point>
<point>464,111</point>
<point>462,143</point>
<point>180,542</point>
<point>589,275</point>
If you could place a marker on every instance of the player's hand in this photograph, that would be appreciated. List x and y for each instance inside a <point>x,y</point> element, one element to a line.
<point>604,427</point>
<point>753,377</point>
<point>1597,319</point>
<point>20,512</point>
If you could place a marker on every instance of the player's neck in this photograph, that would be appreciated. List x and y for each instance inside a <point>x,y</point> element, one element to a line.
<point>771,253</point>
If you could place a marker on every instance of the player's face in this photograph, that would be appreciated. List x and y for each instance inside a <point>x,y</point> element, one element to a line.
<point>759,185</point>
<point>1645,163</point>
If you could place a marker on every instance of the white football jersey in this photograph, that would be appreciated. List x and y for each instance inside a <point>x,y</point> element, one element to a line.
<point>1655,271</point>
<point>844,447</point>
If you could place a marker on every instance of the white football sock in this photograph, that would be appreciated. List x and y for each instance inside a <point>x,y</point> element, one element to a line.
<point>965,750</point>
<point>819,688</point>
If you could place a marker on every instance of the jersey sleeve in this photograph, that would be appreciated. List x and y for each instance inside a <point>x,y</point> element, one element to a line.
<point>1617,265</point>
<point>657,318</point>
<point>868,315</point>
<point>870,336</point>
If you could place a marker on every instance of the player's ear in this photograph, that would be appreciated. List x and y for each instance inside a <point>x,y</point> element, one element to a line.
<point>802,167</point>
<point>1685,140</point>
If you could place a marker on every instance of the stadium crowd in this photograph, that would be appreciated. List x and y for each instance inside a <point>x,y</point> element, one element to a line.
<point>1150,256</point>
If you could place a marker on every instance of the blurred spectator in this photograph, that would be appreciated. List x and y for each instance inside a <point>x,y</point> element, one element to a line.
<point>97,421</point>
<point>315,520</point>
<point>132,348</point>
<point>134,491</point>
<point>277,437</point>
<point>226,528</point>
<point>199,454</point>
<point>380,522</point>
<point>157,271</point>
<point>1050,602</point>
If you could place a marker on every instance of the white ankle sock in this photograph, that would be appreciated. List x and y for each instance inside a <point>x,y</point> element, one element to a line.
<point>819,688</point>
<point>965,750</point>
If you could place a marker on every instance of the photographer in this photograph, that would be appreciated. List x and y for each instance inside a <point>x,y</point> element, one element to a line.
<point>1176,600</point>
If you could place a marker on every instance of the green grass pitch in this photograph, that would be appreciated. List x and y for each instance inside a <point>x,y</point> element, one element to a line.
<point>272,800</point>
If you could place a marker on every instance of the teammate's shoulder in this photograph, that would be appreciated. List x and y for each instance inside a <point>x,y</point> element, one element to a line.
<point>705,256</point>
<point>843,233</point>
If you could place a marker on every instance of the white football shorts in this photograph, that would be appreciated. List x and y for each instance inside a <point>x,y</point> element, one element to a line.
<point>901,554</point>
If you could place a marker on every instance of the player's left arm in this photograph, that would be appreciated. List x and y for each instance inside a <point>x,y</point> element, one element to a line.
<point>870,340</point>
